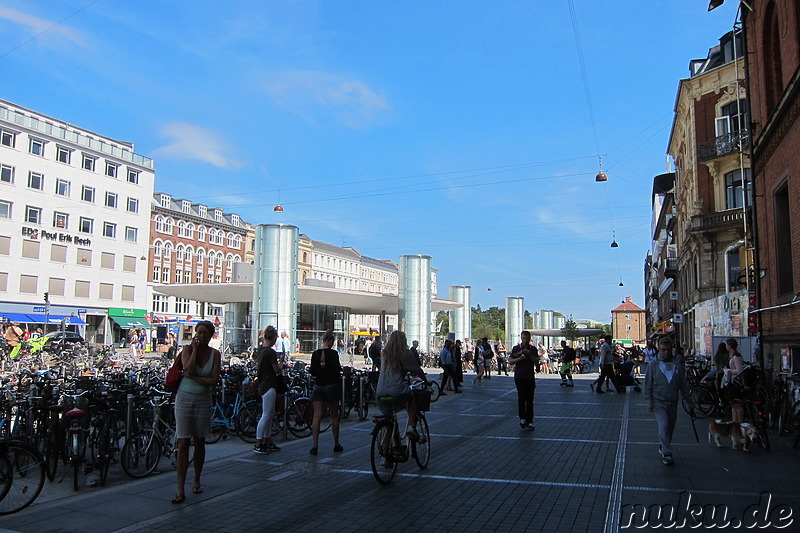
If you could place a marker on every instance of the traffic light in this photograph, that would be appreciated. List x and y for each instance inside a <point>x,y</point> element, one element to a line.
<point>46,297</point>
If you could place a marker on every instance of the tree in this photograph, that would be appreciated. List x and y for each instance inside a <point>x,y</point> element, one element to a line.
<point>570,331</point>
<point>443,322</point>
<point>489,323</point>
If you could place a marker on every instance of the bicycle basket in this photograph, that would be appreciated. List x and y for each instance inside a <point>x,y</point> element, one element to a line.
<point>423,400</point>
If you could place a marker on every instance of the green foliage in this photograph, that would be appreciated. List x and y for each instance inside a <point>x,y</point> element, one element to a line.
<point>444,320</point>
<point>528,320</point>
<point>571,331</point>
<point>489,323</point>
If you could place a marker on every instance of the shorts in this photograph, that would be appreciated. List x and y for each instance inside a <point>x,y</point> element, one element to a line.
<point>399,404</point>
<point>565,367</point>
<point>327,393</point>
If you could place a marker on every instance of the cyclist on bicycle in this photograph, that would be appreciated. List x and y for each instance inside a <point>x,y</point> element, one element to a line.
<point>391,381</point>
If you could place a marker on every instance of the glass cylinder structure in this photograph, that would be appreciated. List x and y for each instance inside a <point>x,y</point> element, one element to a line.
<point>461,318</point>
<point>515,320</point>
<point>414,298</point>
<point>275,279</point>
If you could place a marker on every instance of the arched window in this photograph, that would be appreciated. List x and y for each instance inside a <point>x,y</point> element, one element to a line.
<point>167,250</point>
<point>199,255</point>
<point>190,231</point>
<point>201,233</point>
<point>160,224</point>
<point>179,252</point>
<point>157,248</point>
<point>168,225</point>
<point>181,229</point>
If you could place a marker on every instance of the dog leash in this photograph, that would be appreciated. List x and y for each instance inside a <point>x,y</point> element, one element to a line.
<point>692,417</point>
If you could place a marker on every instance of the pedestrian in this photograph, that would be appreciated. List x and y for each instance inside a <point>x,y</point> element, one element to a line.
<point>525,359</point>
<point>215,342</point>
<point>283,348</point>
<point>500,352</point>
<point>664,380</point>
<point>448,366</point>
<point>14,336</point>
<point>269,372</point>
<point>544,360</point>
<point>606,366</point>
<point>142,340</point>
<point>459,368</point>
<point>193,405</point>
<point>37,334</point>
<point>327,372</point>
<point>733,388</point>
<point>479,361</point>
<point>133,341</point>
<point>650,353</point>
<point>488,357</point>
<point>567,358</point>
<point>375,353</point>
<point>469,354</point>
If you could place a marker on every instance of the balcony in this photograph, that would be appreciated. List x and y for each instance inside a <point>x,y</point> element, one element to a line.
<point>721,220</point>
<point>671,267</point>
<point>730,143</point>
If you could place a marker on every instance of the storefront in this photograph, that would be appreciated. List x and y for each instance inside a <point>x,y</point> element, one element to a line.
<point>123,320</point>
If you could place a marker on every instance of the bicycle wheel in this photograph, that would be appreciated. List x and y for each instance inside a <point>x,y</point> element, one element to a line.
<point>704,401</point>
<point>217,430</point>
<point>298,417</point>
<point>362,403</point>
<point>22,475</point>
<point>436,390</point>
<point>52,447</point>
<point>247,420</point>
<point>383,467</point>
<point>140,454</point>
<point>422,449</point>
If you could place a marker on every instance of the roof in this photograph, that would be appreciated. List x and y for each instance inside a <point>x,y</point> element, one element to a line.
<point>332,249</point>
<point>627,305</point>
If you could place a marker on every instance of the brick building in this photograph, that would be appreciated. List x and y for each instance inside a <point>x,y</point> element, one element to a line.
<point>629,323</point>
<point>773,65</point>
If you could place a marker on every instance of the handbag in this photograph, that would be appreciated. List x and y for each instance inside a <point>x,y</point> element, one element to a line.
<point>174,376</point>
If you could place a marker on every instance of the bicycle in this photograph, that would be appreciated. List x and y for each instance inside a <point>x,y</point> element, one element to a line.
<point>22,474</point>
<point>388,448</point>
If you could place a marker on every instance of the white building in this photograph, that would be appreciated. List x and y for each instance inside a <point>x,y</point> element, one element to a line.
<point>75,210</point>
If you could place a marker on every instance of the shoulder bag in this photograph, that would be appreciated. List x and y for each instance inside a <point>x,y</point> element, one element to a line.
<point>174,376</point>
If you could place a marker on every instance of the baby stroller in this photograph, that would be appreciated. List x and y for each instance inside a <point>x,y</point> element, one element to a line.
<point>625,377</point>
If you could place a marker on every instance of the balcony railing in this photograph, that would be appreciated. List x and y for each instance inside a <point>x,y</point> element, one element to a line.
<point>730,143</point>
<point>671,267</point>
<point>720,220</point>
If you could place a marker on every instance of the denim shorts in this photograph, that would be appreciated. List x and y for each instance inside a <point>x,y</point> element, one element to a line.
<point>327,393</point>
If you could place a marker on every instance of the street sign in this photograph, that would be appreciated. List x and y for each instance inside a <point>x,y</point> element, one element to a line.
<point>673,295</point>
<point>677,318</point>
<point>38,309</point>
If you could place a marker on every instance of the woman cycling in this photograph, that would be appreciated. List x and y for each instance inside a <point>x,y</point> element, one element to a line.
<point>391,381</point>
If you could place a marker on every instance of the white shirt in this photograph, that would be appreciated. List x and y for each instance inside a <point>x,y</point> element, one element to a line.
<point>668,369</point>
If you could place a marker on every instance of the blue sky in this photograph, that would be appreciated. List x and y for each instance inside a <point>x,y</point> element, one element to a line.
<point>460,130</point>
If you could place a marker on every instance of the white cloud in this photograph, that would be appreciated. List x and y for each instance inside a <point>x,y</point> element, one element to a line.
<point>306,93</point>
<point>36,25</point>
<point>192,142</point>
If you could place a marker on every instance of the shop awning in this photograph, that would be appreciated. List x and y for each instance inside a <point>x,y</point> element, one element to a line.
<point>56,319</point>
<point>17,317</point>
<point>127,322</point>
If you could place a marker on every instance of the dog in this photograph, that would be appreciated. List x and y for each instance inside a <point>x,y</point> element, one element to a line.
<point>744,433</point>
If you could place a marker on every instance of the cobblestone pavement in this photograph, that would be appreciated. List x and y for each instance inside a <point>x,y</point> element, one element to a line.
<point>590,458</point>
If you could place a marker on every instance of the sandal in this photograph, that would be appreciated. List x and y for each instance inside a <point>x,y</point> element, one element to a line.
<point>178,499</point>
<point>198,489</point>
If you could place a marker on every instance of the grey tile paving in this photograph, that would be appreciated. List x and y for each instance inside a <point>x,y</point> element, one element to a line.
<point>484,474</point>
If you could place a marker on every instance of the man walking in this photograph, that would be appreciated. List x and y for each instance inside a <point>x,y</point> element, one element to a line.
<point>283,347</point>
<point>606,366</point>
<point>663,380</point>
<point>567,358</point>
<point>525,359</point>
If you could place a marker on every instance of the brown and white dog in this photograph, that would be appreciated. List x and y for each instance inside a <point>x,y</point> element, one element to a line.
<point>744,433</point>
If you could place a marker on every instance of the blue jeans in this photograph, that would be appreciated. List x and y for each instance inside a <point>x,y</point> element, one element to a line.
<point>666,416</point>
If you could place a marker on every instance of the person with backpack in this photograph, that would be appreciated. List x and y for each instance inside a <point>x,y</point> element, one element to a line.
<point>567,358</point>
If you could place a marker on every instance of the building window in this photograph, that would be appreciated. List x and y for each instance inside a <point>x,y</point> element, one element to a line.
<point>60,220</point>
<point>168,226</point>
<point>35,180</point>
<point>128,263</point>
<point>88,163</point>
<point>167,251</point>
<point>36,146</point>
<point>109,230</point>
<point>30,249</point>
<point>165,275</point>
<point>8,138</point>
<point>128,292</point>
<point>159,224</point>
<point>82,289</point>
<point>84,257</point>
<point>178,275</point>
<point>111,199</point>
<point>7,173</point>
<point>85,225</point>
<point>106,291</point>
<point>201,233</point>
<point>131,234</point>
<point>33,215</point>
<point>133,176</point>
<point>62,187</point>
<point>87,194</point>
<point>5,245</point>
<point>63,154</point>
<point>190,231</point>
<point>733,188</point>
<point>165,200</point>
<point>111,169</point>
<point>187,276</point>
<point>783,242</point>
<point>28,284</point>
<point>235,220</point>
<point>58,253</point>
<point>56,286</point>
<point>133,205</point>
<point>186,206</point>
<point>106,260</point>
<point>5,209</point>
<point>156,273</point>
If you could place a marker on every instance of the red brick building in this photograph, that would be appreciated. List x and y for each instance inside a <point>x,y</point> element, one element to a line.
<point>772,29</point>
<point>629,323</point>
